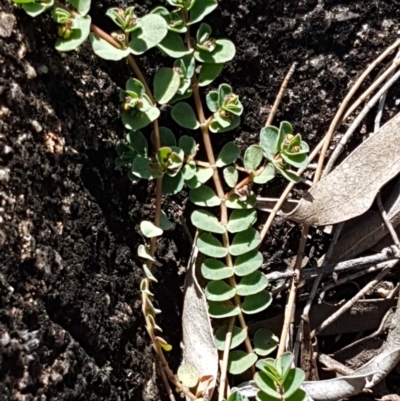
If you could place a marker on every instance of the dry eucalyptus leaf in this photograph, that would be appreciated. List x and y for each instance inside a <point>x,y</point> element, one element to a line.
<point>198,342</point>
<point>351,188</point>
<point>365,231</point>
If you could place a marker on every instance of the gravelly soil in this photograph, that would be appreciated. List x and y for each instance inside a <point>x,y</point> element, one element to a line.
<point>70,318</point>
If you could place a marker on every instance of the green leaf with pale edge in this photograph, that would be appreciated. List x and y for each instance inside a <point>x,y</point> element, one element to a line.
<point>228,154</point>
<point>137,120</point>
<point>215,126</point>
<point>165,224</point>
<point>293,381</point>
<point>224,51</point>
<point>245,241</point>
<point>142,168</point>
<point>283,364</point>
<point>106,51</point>
<point>167,137</point>
<point>80,32</point>
<point>204,196</point>
<point>240,361</point>
<point>166,83</point>
<point>173,45</point>
<point>241,220</point>
<point>298,160</point>
<point>253,157</point>
<point>256,303</point>
<point>35,9</point>
<point>237,396</point>
<point>235,202</point>
<point>188,375</point>
<point>219,291</point>
<point>172,185</point>
<point>209,72</point>
<point>238,336</point>
<point>213,269</point>
<point>184,115</point>
<point>266,385</point>
<point>212,101</point>
<point>200,9</point>
<point>149,230</point>
<point>267,366</point>
<point>269,141</point>
<point>247,263</point>
<point>144,253</point>
<point>222,310</point>
<point>298,395</point>
<point>206,221</point>
<point>231,176</point>
<point>82,6</point>
<point>149,274</point>
<point>289,175</point>
<point>265,342</point>
<point>211,246</point>
<point>188,145</point>
<point>266,175</point>
<point>189,170</point>
<point>138,142</point>
<point>151,32</point>
<point>252,284</point>
<point>201,176</point>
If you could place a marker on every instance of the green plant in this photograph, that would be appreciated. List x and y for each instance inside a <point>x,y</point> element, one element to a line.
<point>221,186</point>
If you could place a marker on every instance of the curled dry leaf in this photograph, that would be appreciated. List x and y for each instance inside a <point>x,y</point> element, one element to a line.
<point>351,188</point>
<point>198,342</point>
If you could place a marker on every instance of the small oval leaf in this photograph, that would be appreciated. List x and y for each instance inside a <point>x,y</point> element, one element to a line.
<point>219,291</point>
<point>241,220</point>
<point>245,241</point>
<point>256,303</point>
<point>266,175</point>
<point>149,230</point>
<point>184,115</point>
<point>252,284</point>
<point>231,176</point>
<point>240,361</point>
<point>221,310</point>
<point>207,221</point>
<point>235,202</point>
<point>238,336</point>
<point>209,72</point>
<point>265,342</point>
<point>252,157</point>
<point>228,154</point>
<point>213,269</point>
<point>166,83</point>
<point>247,263</point>
<point>204,196</point>
<point>211,246</point>
<point>266,385</point>
<point>293,381</point>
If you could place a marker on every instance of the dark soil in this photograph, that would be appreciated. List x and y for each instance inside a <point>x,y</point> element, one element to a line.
<point>70,312</point>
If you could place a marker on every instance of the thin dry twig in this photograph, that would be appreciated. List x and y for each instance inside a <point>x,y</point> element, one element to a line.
<point>280,94</point>
<point>387,221</point>
<point>224,362</point>
<point>334,365</point>
<point>353,300</point>
<point>166,383</point>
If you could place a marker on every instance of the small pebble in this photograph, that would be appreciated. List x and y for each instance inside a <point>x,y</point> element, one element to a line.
<point>7,22</point>
<point>4,175</point>
<point>36,126</point>
<point>42,69</point>
<point>29,71</point>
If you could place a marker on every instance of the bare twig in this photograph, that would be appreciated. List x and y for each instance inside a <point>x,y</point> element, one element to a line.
<point>280,94</point>
<point>224,364</point>
<point>387,221</point>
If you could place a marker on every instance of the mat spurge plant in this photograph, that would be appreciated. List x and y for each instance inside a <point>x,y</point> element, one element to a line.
<point>220,186</point>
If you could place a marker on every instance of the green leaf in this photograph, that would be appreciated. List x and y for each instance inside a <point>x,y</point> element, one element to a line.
<point>245,241</point>
<point>173,45</point>
<point>188,145</point>
<point>256,303</point>
<point>283,364</point>
<point>167,137</point>
<point>142,167</point>
<point>235,202</point>
<point>202,175</point>
<point>144,253</point>
<point>212,101</point>
<point>165,224</point>
<point>293,381</point>
<point>231,176</point>
<point>240,361</point>
<point>184,115</point>
<point>82,6</point>
<point>237,396</point>
<point>171,185</point>
<point>136,120</point>
<point>252,284</point>
<point>149,230</point>
<point>222,310</point>
<point>211,246</point>
<point>267,366</point>
<point>215,126</point>
<point>189,170</point>
<point>149,274</point>
<point>138,142</point>
<point>151,32</point>
<point>238,336</point>
<point>289,175</point>
<point>252,157</point>
<point>266,175</point>
<point>204,196</point>
<point>200,9</point>
<point>208,72</point>
<point>265,342</point>
<point>286,128</point>
<point>80,32</point>
<point>241,220</point>
<point>213,269</point>
<point>266,385</point>
<point>219,291</point>
<point>228,154</point>
<point>248,263</point>
<point>34,9</point>
<point>166,83</point>
<point>223,91</point>
<point>203,32</point>
<point>269,141</point>
<point>188,375</point>
<point>298,160</point>
<point>224,51</point>
<point>298,395</point>
<point>106,51</point>
<point>207,221</point>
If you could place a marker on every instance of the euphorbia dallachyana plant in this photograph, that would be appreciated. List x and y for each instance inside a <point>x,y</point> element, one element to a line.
<point>221,187</point>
